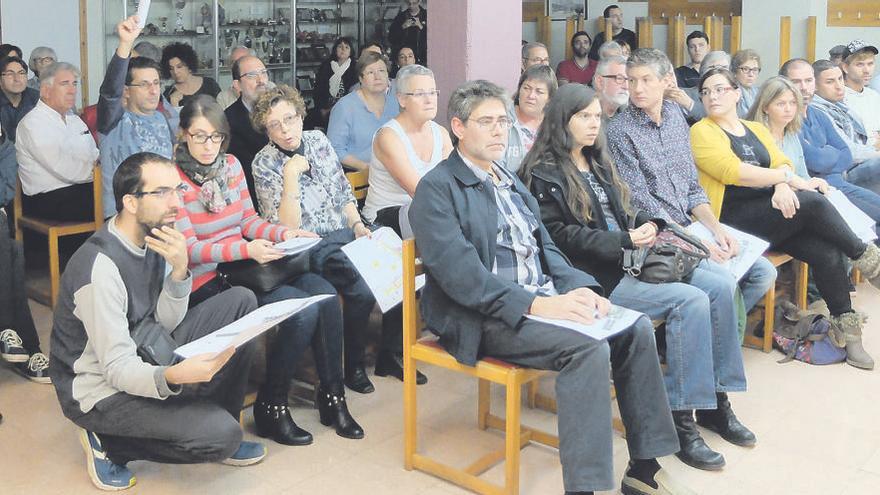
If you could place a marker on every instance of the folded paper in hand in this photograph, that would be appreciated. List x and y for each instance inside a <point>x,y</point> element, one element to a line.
<point>297,245</point>
<point>750,247</point>
<point>248,326</point>
<point>617,320</point>
<point>379,260</point>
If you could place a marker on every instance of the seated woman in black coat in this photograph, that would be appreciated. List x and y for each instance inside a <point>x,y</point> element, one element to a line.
<point>335,77</point>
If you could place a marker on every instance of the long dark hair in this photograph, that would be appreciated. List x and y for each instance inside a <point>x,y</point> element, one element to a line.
<point>553,146</point>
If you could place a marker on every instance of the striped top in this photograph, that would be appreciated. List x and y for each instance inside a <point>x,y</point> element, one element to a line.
<point>213,238</point>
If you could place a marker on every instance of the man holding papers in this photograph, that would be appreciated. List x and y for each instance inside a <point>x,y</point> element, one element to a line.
<point>133,270</point>
<point>490,263</point>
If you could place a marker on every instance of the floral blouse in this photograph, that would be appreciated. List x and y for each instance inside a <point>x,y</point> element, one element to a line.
<point>324,189</point>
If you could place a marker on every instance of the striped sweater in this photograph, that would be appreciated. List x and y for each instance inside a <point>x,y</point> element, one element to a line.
<point>213,238</point>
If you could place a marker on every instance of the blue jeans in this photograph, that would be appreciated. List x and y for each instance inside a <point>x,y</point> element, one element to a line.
<point>689,337</point>
<point>866,174</point>
<point>865,199</point>
<point>756,282</point>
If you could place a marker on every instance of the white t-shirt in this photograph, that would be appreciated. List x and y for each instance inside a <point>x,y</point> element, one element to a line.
<point>866,107</point>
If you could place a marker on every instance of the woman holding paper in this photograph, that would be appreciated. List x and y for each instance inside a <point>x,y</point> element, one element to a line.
<point>300,184</point>
<point>752,187</point>
<point>217,219</point>
<point>585,207</point>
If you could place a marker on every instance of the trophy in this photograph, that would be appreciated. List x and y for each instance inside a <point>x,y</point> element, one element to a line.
<point>206,18</point>
<point>248,42</point>
<point>164,27</point>
<point>236,33</point>
<point>178,22</point>
<point>227,38</point>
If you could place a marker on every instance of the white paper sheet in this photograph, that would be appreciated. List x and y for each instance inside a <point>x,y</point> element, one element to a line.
<point>617,320</point>
<point>860,223</point>
<point>379,260</point>
<point>248,326</point>
<point>750,248</point>
<point>142,11</point>
<point>297,244</point>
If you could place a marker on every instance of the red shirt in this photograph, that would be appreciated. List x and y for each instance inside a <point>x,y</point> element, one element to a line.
<point>569,70</point>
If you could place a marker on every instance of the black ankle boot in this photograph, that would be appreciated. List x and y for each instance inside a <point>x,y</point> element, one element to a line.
<point>334,411</point>
<point>274,421</point>
<point>694,451</point>
<point>356,379</point>
<point>391,363</point>
<point>723,422</point>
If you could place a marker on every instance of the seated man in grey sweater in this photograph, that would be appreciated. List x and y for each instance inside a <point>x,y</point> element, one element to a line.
<point>131,270</point>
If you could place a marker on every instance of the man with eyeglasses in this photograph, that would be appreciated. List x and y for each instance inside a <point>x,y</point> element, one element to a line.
<point>55,151</point>
<point>129,119</point>
<point>491,264</point>
<point>133,273</point>
<point>534,53</point>
<point>16,99</point>
<point>228,96</point>
<point>611,86</point>
<point>250,79</point>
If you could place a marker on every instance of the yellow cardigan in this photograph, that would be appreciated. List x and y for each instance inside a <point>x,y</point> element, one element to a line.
<point>718,165</point>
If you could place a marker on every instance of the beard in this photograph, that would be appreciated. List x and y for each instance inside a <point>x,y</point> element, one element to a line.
<point>581,52</point>
<point>147,225</point>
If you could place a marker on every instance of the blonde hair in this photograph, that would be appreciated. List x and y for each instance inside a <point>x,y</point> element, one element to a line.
<point>772,89</point>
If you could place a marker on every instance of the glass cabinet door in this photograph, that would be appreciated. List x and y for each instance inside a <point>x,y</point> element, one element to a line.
<point>264,26</point>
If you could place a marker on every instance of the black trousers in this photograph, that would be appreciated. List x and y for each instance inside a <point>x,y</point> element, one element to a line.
<point>817,234</point>
<point>14,310</point>
<point>74,203</point>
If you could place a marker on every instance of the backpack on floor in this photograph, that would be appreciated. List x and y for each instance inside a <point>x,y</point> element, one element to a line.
<point>807,336</point>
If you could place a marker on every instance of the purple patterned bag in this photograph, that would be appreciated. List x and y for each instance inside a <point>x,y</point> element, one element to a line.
<point>808,337</point>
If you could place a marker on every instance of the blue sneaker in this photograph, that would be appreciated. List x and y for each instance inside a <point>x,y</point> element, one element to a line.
<point>248,453</point>
<point>104,474</point>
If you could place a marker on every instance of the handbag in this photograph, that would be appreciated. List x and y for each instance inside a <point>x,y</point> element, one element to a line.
<point>265,277</point>
<point>673,257</point>
<point>154,343</point>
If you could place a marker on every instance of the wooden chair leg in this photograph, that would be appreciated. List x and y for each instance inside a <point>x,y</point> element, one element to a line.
<point>802,274</point>
<point>769,317</point>
<point>484,403</point>
<point>512,436</point>
<point>532,388</point>
<point>410,411</point>
<point>54,267</point>
<point>856,276</point>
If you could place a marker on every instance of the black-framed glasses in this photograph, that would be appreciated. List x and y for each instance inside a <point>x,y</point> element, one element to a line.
<point>423,94</point>
<point>162,192</point>
<point>750,70</point>
<point>146,84</point>
<point>255,74</point>
<point>617,78</point>
<point>200,138</point>
<point>12,73</point>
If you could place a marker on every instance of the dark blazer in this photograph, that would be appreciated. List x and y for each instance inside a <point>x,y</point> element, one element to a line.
<point>454,219</point>
<point>590,245</point>
<point>244,142</point>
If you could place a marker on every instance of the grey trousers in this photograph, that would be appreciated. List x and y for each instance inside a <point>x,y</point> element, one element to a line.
<point>198,425</point>
<point>583,397</point>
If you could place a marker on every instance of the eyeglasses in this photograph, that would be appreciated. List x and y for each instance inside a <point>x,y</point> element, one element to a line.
<point>750,70</point>
<point>162,192</point>
<point>13,74</point>
<point>255,74</point>
<point>489,123</point>
<point>289,120</point>
<point>44,60</point>
<point>617,78</point>
<point>716,91</point>
<point>146,84</point>
<point>202,138</point>
<point>423,94</point>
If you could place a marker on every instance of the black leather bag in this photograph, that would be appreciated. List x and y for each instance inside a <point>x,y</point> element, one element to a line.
<point>154,343</point>
<point>267,276</point>
<point>673,257</point>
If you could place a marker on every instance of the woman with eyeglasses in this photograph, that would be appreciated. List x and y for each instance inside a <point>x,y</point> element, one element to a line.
<point>752,187</point>
<point>221,225</point>
<point>536,86</point>
<point>746,66</point>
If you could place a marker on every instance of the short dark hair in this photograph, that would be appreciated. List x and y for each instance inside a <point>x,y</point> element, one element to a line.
<point>607,12</point>
<point>580,33</point>
<point>184,52</point>
<point>375,43</point>
<point>340,40</point>
<point>696,34</point>
<point>783,71</point>
<point>140,63</point>
<point>715,71</point>
<point>128,178</point>
<point>6,49</point>
<point>820,66</point>
<point>10,59</point>
<point>206,106</point>
<point>540,73</point>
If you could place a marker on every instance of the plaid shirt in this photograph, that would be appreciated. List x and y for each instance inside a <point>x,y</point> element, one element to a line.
<point>517,253</point>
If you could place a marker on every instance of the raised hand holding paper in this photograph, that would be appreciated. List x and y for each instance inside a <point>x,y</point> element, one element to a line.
<point>142,12</point>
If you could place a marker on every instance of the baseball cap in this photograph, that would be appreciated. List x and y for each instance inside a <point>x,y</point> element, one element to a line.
<point>856,46</point>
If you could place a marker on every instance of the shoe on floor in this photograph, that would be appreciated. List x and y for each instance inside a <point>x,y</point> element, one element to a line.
<point>36,368</point>
<point>10,347</point>
<point>391,364</point>
<point>248,453</point>
<point>104,474</point>
<point>665,486</point>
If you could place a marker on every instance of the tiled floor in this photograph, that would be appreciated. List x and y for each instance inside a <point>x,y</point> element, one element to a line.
<point>818,433</point>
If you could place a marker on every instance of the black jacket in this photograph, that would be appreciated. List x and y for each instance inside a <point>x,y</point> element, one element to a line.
<point>590,245</point>
<point>244,142</point>
<point>454,218</point>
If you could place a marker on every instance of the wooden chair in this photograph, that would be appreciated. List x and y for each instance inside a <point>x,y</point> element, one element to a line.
<point>765,343</point>
<point>55,229</point>
<point>856,276</point>
<point>487,371</point>
<point>359,184</point>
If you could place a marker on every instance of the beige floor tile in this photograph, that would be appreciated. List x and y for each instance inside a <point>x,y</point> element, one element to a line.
<point>862,483</point>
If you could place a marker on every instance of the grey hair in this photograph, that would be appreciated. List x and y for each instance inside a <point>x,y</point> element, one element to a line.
<point>471,94</point>
<point>148,50</point>
<point>47,77</point>
<point>528,47</point>
<point>604,62</point>
<point>609,49</point>
<point>40,52</point>
<point>250,52</point>
<point>408,72</point>
<point>713,59</point>
<point>742,57</point>
<point>650,57</point>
